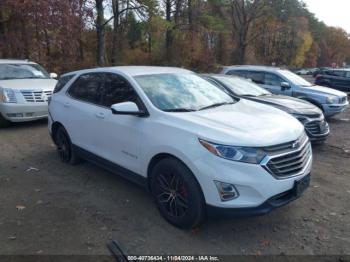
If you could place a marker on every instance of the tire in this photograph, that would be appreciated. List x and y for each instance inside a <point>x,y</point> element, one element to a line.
<point>3,122</point>
<point>65,148</point>
<point>177,194</point>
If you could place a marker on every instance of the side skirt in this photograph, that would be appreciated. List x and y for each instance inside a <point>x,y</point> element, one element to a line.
<point>110,166</point>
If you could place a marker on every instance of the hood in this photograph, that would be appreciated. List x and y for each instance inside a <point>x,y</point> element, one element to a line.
<point>245,123</point>
<point>325,90</point>
<point>35,84</point>
<point>289,104</point>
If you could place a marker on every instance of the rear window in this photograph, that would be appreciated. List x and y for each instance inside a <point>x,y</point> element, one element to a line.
<point>62,82</point>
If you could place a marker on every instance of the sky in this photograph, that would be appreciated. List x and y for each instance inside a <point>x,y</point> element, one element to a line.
<point>331,12</point>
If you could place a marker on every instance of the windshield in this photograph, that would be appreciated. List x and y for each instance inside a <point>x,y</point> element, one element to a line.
<point>242,87</point>
<point>295,79</point>
<point>22,71</point>
<point>182,92</point>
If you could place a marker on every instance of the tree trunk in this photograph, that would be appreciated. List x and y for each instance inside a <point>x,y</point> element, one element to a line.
<point>100,33</point>
<point>169,33</point>
<point>115,8</point>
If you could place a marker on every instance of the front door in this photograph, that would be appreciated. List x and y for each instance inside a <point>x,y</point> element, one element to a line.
<point>119,139</point>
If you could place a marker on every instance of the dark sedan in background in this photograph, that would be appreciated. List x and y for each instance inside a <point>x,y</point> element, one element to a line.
<point>308,114</point>
<point>334,78</point>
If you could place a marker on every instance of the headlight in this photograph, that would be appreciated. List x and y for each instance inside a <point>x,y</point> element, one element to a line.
<point>7,95</point>
<point>331,100</point>
<point>240,154</point>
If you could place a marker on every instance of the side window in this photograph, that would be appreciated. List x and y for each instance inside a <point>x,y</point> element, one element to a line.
<point>339,73</point>
<point>62,82</point>
<point>117,90</point>
<point>87,88</point>
<point>336,73</point>
<point>272,80</point>
<point>257,77</point>
<point>237,73</point>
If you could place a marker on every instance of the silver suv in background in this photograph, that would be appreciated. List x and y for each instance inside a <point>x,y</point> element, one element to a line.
<point>284,82</point>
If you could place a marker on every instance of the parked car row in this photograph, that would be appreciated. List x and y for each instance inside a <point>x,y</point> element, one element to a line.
<point>284,82</point>
<point>308,114</point>
<point>203,145</point>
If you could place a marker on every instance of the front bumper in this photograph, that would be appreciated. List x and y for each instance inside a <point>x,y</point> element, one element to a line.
<point>254,183</point>
<point>333,109</point>
<point>271,204</point>
<point>24,112</point>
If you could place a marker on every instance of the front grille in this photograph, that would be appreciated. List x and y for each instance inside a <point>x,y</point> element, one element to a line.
<point>36,96</point>
<point>290,164</point>
<point>317,127</point>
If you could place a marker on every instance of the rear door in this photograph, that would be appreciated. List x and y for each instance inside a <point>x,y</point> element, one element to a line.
<point>82,107</point>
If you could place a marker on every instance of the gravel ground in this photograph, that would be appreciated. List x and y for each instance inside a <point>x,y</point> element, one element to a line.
<point>50,208</point>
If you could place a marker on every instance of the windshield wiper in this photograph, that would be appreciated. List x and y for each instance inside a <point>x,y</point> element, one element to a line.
<point>249,95</point>
<point>216,105</point>
<point>179,110</point>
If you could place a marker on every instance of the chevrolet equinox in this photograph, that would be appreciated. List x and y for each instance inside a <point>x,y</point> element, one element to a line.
<point>199,151</point>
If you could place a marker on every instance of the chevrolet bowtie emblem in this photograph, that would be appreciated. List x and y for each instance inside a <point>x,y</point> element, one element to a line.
<point>295,145</point>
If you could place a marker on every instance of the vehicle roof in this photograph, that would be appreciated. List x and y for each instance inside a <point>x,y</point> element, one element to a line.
<point>15,61</point>
<point>221,75</point>
<point>253,67</point>
<point>136,70</point>
<point>338,69</point>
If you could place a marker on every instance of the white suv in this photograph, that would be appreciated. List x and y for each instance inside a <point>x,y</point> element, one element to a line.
<point>198,150</point>
<point>25,88</point>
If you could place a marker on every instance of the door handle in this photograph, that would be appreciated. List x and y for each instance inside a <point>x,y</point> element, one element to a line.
<point>66,104</point>
<point>100,115</point>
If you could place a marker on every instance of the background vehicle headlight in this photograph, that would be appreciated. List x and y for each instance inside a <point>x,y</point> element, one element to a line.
<point>331,100</point>
<point>7,95</point>
<point>240,154</point>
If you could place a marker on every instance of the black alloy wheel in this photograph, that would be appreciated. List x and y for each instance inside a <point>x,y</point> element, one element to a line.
<point>172,194</point>
<point>177,193</point>
<point>63,145</point>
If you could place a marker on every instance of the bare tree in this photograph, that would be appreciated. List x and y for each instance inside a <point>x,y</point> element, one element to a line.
<point>244,13</point>
<point>100,31</point>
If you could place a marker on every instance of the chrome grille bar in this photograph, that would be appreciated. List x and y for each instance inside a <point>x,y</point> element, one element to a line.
<point>291,163</point>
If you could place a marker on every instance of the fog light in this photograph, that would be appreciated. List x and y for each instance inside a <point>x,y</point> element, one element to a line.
<point>226,191</point>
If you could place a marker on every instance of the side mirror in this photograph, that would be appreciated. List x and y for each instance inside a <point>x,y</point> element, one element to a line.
<point>127,108</point>
<point>285,86</point>
<point>53,75</point>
